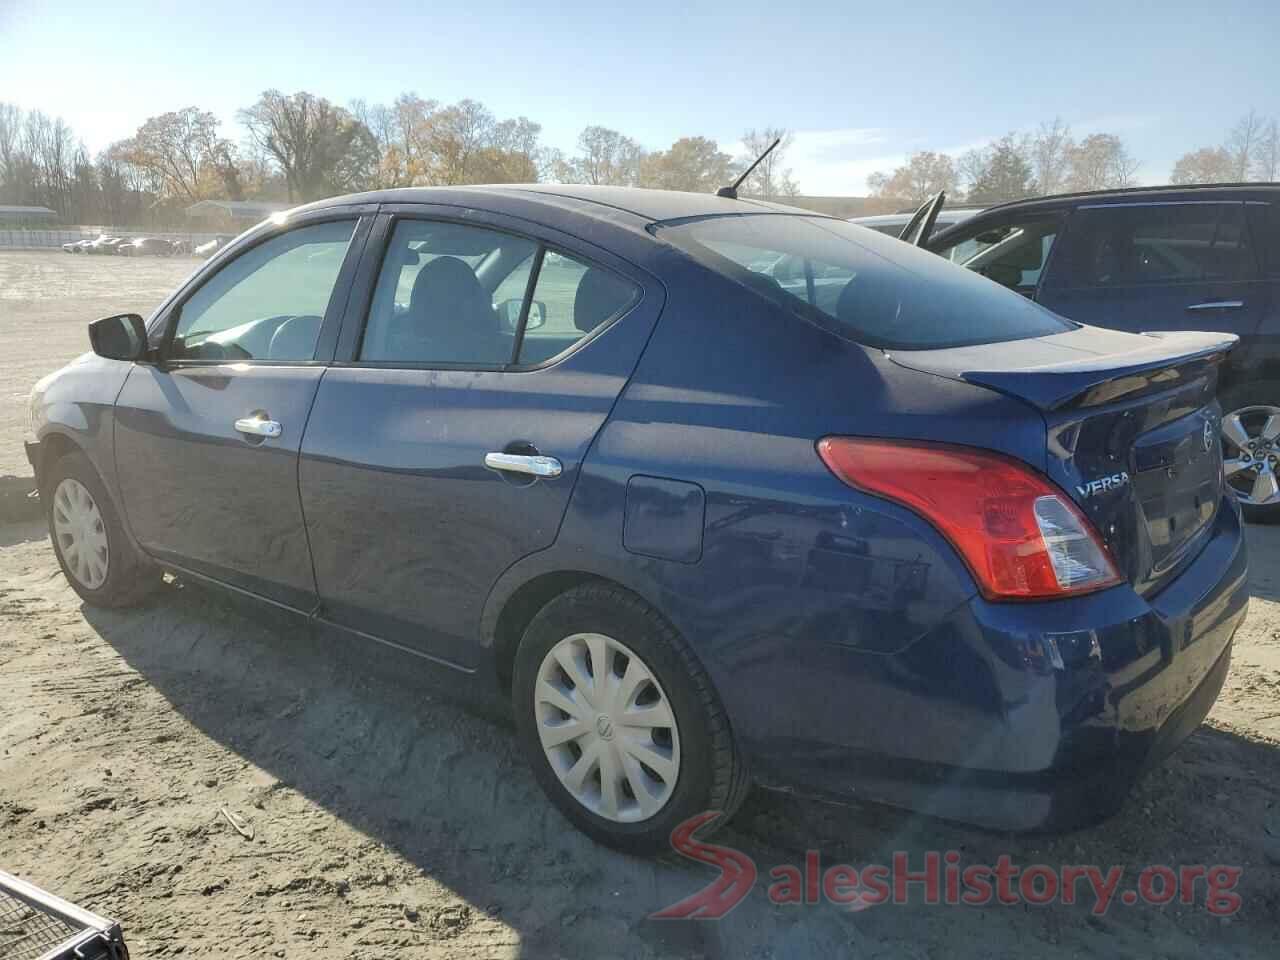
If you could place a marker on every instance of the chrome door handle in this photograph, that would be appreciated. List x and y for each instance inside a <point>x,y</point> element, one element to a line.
<point>514,463</point>
<point>259,427</point>
<point>1217,305</point>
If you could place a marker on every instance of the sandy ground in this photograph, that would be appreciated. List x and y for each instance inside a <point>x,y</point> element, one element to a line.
<point>381,819</point>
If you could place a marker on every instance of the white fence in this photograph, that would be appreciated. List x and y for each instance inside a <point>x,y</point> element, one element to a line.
<point>34,239</point>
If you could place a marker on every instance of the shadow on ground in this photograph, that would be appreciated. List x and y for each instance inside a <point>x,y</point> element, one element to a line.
<point>372,738</point>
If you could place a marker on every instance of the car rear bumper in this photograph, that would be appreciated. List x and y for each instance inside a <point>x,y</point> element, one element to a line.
<point>1038,716</point>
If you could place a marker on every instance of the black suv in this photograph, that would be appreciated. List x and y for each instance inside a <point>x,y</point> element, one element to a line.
<point>1159,258</point>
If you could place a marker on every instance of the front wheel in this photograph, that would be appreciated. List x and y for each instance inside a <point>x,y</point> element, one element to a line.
<point>1251,448</point>
<point>620,722</point>
<point>96,556</point>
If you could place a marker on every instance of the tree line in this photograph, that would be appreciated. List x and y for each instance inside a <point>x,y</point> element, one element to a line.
<point>300,147</point>
<point>1053,160</point>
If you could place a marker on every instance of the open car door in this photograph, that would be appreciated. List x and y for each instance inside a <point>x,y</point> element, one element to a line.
<point>920,226</point>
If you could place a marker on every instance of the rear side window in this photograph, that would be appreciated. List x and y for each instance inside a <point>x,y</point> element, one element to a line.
<point>1111,246</point>
<point>570,300</point>
<point>861,285</point>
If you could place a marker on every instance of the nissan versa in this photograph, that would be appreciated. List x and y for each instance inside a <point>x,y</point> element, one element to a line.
<point>889,531</point>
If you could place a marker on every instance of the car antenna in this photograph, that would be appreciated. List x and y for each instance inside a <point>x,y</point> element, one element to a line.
<point>732,192</point>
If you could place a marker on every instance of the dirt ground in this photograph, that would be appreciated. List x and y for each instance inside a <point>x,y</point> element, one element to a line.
<point>368,816</point>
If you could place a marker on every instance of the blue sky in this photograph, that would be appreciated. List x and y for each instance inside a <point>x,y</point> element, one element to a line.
<point>862,84</point>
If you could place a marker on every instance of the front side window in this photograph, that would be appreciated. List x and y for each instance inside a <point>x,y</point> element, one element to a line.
<point>1012,254</point>
<point>268,303</point>
<point>869,288</point>
<point>1112,246</point>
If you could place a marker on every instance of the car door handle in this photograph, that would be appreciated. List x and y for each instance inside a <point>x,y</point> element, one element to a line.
<point>514,463</point>
<point>259,427</point>
<point>1217,305</point>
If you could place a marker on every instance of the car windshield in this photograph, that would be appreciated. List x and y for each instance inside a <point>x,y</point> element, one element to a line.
<point>860,284</point>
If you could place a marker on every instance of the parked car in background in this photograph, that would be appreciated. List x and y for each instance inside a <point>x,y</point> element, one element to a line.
<point>892,224</point>
<point>105,244</point>
<point>146,247</point>
<point>886,530</point>
<point>1158,258</point>
<point>211,247</point>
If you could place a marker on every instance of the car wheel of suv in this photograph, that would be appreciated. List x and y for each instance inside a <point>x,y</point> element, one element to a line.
<point>1251,448</point>
<point>99,561</point>
<point>620,722</point>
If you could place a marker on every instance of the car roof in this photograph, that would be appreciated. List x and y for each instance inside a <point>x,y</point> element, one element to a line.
<point>650,206</point>
<point>1163,192</point>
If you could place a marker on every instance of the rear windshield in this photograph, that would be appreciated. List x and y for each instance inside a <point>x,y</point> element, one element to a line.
<point>864,286</point>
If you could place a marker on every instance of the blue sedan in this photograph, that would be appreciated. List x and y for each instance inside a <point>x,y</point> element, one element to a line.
<point>708,491</point>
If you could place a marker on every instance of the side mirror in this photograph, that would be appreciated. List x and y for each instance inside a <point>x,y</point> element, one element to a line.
<point>509,315</point>
<point>122,337</point>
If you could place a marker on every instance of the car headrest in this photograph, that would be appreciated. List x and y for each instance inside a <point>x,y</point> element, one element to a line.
<point>871,300</point>
<point>295,339</point>
<point>444,280</point>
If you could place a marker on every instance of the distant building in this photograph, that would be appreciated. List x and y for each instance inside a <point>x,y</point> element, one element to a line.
<point>236,213</point>
<point>27,216</point>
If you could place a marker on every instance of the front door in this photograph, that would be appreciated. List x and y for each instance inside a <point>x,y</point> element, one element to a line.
<point>447,445</point>
<point>207,438</point>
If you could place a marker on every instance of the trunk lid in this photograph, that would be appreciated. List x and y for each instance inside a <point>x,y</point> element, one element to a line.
<point>1132,431</point>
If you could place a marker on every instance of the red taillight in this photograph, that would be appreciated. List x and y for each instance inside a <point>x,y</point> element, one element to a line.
<point>1020,535</point>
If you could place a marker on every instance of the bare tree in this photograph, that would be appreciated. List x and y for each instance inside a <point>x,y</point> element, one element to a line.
<point>320,148</point>
<point>1206,165</point>
<point>184,152</point>
<point>1266,163</point>
<point>922,176</point>
<point>1001,171</point>
<point>606,157</point>
<point>1243,143</point>
<point>1100,162</point>
<point>1050,154</point>
<point>772,179</point>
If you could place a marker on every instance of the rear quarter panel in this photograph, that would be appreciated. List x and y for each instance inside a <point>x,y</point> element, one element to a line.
<point>804,589</point>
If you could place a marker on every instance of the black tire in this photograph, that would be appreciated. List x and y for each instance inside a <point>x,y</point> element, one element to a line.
<point>712,772</point>
<point>130,575</point>
<point>1261,393</point>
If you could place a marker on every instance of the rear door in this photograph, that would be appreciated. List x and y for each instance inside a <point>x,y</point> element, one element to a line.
<point>473,374</point>
<point>1186,265</point>
<point>207,439</point>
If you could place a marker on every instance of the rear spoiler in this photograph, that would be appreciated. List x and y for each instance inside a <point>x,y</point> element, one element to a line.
<point>1081,368</point>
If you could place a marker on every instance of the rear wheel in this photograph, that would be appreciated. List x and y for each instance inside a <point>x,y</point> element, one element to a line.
<point>99,561</point>
<point>1251,448</point>
<point>620,722</point>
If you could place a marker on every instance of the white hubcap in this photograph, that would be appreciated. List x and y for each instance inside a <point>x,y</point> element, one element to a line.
<point>82,536</point>
<point>607,727</point>
<point>1251,447</point>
